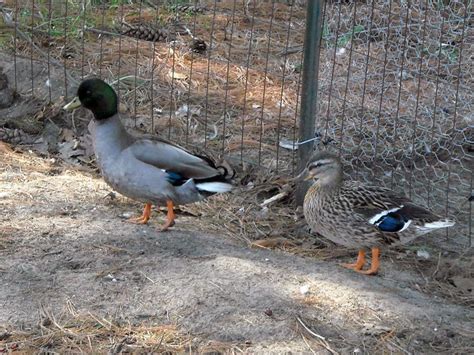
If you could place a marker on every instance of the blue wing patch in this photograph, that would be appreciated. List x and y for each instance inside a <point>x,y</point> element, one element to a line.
<point>175,179</point>
<point>392,222</point>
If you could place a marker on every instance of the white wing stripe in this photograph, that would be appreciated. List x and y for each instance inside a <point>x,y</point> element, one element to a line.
<point>407,224</point>
<point>375,218</point>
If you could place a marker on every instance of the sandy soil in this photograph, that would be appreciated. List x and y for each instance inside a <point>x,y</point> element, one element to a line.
<point>64,244</point>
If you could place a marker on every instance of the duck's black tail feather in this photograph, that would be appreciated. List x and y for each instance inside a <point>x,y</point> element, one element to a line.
<point>218,183</point>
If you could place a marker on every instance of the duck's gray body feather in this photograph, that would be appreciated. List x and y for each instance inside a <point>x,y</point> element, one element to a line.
<point>136,167</point>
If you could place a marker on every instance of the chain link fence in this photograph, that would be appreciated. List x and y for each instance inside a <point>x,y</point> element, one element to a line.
<point>395,81</point>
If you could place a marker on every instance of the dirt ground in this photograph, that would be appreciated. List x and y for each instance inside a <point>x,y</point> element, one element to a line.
<point>75,275</point>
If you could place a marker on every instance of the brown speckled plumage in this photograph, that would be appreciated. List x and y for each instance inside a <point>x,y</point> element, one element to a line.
<point>340,210</point>
<point>359,216</point>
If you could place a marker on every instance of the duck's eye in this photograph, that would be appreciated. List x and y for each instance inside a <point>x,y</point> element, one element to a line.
<point>316,165</point>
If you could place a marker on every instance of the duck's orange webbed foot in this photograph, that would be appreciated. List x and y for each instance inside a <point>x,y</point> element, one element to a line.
<point>170,217</point>
<point>359,264</point>
<point>144,218</point>
<point>374,266</point>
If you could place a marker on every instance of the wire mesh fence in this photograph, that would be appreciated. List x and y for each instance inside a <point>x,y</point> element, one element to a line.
<point>395,81</point>
<point>399,101</point>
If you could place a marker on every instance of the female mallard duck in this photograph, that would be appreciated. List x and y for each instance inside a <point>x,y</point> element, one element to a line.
<point>147,169</point>
<point>359,216</point>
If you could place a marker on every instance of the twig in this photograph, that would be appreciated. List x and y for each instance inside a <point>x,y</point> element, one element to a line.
<point>399,347</point>
<point>108,326</point>
<point>101,32</point>
<point>51,317</point>
<point>127,77</point>
<point>322,340</point>
<point>145,276</point>
<point>277,197</point>
<point>216,285</point>
<point>437,265</point>
<point>188,31</point>
<point>309,330</point>
<point>307,344</point>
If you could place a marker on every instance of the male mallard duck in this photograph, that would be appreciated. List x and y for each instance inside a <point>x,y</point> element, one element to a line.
<point>147,169</point>
<point>359,216</point>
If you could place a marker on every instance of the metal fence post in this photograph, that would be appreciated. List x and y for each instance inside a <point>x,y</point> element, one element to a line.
<point>309,91</point>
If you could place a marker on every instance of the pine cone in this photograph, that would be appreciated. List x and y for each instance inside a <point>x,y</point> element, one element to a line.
<point>15,136</point>
<point>146,33</point>
<point>198,46</point>
<point>189,8</point>
<point>6,93</point>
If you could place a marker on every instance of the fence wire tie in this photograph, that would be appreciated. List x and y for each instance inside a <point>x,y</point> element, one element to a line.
<point>307,141</point>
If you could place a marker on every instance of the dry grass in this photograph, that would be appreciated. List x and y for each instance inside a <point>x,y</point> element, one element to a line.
<point>73,332</point>
<point>27,162</point>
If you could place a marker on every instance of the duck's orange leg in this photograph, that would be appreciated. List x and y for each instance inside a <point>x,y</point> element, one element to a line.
<point>359,264</point>
<point>169,217</point>
<point>143,219</point>
<point>374,266</point>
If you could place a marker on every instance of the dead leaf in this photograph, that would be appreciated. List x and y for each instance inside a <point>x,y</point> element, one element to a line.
<point>178,76</point>
<point>464,284</point>
<point>5,148</point>
<point>374,329</point>
<point>66,135</point>
<point>272,242</point>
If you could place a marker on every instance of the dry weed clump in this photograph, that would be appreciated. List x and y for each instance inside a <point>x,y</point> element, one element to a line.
<point>74,332</point>
<point>23,162</point>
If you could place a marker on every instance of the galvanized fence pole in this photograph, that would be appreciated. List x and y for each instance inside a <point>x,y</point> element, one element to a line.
<point>309,92</point>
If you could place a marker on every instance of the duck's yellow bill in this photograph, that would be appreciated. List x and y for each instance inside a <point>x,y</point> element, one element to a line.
<point>75,103</point>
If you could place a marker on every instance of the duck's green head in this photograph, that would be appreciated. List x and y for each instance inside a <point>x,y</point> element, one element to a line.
<point>97,96</point>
